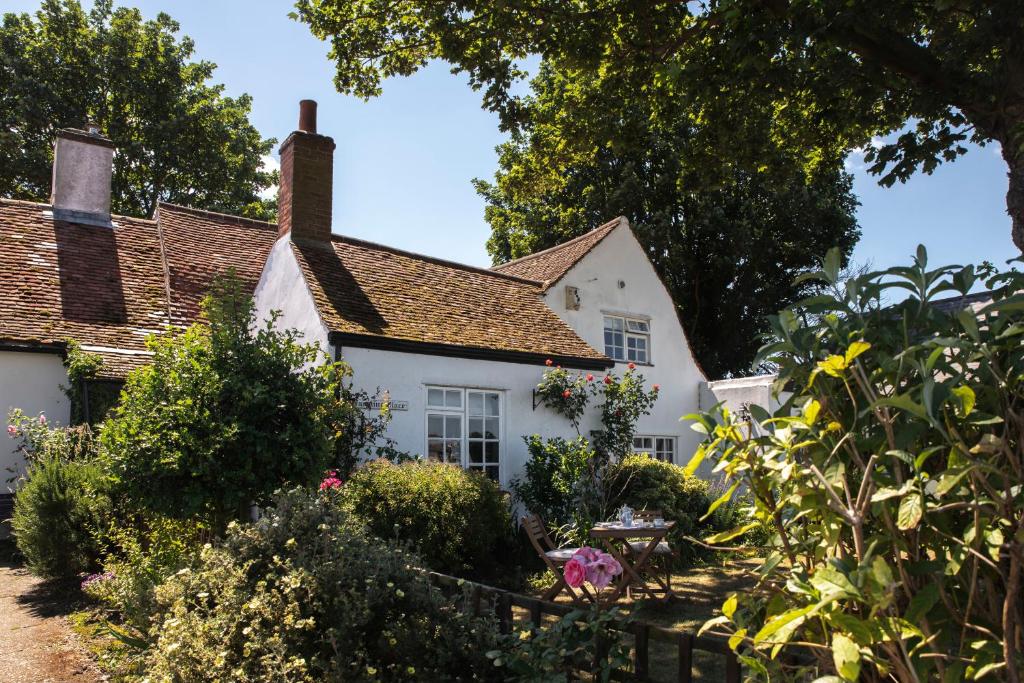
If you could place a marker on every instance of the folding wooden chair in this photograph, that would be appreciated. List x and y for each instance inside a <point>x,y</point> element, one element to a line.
<point>555,558</point>
<point>663,552</point>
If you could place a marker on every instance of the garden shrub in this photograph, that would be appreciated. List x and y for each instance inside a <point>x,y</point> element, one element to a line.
<point>58,513</point>
<point>226,413</point>
<point>459,520</point>
<point>645,483</point>
<point>306,594</point>
<point>548,486</point>
<point>38,440</point>
<point>893,481</point>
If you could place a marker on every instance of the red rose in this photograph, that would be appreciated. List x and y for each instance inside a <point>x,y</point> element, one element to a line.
<point>548,362</point>
<point>657,387</point>
<point>631,366</point>
<point>590,378</point>
<point>566,394</point>
<point>607,379</point>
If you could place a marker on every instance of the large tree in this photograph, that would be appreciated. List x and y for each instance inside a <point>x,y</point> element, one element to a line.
<point>178,137</point>
<point>727,238</point>
<point>941,71</point>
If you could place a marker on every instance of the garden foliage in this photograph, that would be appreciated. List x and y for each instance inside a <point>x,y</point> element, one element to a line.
<point>548,486</point>
<point>227,412</point>
<point>458,519</point>
<point>893,480</point>
<point>305,594</point>
<point>58,513</point>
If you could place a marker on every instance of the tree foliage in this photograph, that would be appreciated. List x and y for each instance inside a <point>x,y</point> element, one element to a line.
<point>178,137</point>
<point>228,412</point>
<point>834,73</point>
<point>727,236</point>
<point>893,481</point>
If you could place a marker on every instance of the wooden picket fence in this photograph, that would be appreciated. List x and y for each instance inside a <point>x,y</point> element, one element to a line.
<point>482,597</point>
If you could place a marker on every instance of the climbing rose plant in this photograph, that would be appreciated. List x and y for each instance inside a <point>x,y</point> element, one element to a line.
<point>893,480</point>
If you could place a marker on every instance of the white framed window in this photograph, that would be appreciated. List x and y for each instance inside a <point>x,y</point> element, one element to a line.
<point>660,447</point>
<point>464,428</point>
<point>627,339</point>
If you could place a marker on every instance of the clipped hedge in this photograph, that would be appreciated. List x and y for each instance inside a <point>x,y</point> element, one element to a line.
<point>306,594</point>
<point>58,514</point>
<point>458,520</point>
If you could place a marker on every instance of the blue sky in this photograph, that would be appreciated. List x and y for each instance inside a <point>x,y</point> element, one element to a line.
<point>405,160</point>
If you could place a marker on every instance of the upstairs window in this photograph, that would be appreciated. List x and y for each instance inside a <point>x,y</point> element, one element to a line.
<point>627,339</point>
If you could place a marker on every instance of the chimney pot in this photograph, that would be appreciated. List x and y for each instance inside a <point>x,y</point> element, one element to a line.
<point>307,116</point>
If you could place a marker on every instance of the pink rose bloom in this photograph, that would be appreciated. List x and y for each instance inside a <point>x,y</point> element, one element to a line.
<point>42,418</point>
<point>601,572</point>
<point>586,555</point>
<point>549,362</point>
<point>12,431</point>
<point>575,573</point>
<point>657,387</point>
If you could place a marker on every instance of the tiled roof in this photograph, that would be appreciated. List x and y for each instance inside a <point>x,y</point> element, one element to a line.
<point>60,280</point>
<point>199,245</point>
<point>955,304</point>
<point>377,292</point>
<point>550,265</point>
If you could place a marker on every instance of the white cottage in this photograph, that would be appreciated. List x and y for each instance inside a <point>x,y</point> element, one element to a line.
<point>459,349</point>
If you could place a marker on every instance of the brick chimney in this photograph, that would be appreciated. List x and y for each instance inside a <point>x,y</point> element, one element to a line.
<point>82,167</point>
<point>307,167</point>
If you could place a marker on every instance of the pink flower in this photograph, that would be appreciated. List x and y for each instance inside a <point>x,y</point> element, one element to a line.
<point>566,394</point>
<point>549,362</point>
<point>631,366</point>
<point>12,431</point>
<point>575,573</point>
<point>657,387</point>
<point>42,418</point>
<point>601,571</point>
<point>586,554</point>
<point>331,481</point>
<point>590,378</point>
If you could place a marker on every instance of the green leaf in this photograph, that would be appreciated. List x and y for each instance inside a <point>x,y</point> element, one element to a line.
<point>922,602</point>
<point>729,606</point>
<point>855,349</point>
<point>969,321</point>
<point>832,263</point>
<point>731,533</point>
<point>910,512</point>
<point>833,584</point>
<point>846,656</point>
<point>724,498</point>
<point>967,399</point>
<point>695,461</point>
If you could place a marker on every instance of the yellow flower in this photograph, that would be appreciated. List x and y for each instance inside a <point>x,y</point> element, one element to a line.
<point>525,635</point>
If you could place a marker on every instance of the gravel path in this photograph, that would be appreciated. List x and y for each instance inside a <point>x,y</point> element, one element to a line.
<point>36,643</point>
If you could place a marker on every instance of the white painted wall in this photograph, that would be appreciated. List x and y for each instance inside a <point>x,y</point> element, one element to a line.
<point>32,382</point>
<point>620,257</point>
<point>282,287</point>
<point>406,377</point>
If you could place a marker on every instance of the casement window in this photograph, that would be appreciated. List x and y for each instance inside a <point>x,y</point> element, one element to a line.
<point>660,447</point>
<point>627,339</point>
<point>464,428</point>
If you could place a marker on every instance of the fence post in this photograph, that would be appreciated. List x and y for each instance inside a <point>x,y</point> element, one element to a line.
<point>685,658</point>
<point>536,615</point>
<point>503,607</point>
<point>732,668</point>
<point>641,658</point>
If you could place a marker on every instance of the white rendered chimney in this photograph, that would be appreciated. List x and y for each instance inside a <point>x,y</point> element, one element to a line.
<point>82,168</point>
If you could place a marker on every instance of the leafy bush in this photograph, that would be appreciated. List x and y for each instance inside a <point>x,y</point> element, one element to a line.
<point>305,594</point>
<point>644,483</point>
<point>38,440</point>
<point>893,481</point>
<point>226,414</point>
<point>549,483</point>
<point>459,520</point>
<point>57,515</point>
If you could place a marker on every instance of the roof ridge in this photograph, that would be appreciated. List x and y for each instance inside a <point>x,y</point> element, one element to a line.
<point>48,206</point>
<point>430,259</point>
<point>215,214</point>
<point>579,238</point>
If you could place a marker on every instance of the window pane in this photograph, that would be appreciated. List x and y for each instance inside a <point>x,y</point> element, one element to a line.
<point>491,452</point>
<point>492,472</point>
<point>435,450</point>
<point>636,326</point>
<point>435,426</point>
<point>476,428</point>
<point>453,427</point>
<point>453,398</point>
<point>492,428</point>
<point>612,323</point>
<point>435,398</point>
<point>491,404</point>
<point>453,450</point>
<point>476,452</point>
<point>476,403</point>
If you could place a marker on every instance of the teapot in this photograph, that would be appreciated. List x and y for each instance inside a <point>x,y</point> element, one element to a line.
<point>626,515</point>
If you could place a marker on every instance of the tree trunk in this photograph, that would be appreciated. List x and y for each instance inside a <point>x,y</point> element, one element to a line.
<point>1015,195</point>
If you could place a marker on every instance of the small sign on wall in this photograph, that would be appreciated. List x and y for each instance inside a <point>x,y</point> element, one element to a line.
<point>378,403</point>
